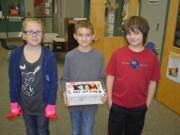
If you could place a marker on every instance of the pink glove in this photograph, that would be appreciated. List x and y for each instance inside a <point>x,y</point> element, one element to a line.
<point>15,111</point>
<point>50,111</point>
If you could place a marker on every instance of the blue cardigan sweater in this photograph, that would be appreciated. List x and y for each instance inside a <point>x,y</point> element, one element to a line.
<point>49,74</point>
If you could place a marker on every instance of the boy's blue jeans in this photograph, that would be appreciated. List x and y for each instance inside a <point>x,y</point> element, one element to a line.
<point>36,124</point>
<point>82,122</point>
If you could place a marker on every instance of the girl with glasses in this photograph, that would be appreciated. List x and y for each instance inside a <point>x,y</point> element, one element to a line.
<point>33,80</point>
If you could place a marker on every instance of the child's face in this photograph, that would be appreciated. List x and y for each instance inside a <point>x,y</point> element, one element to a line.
<point>135,38</point>
<point>84,37</point>
<point>33,33</point>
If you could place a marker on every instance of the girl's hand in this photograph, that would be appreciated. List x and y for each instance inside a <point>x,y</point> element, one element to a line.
<point>50,112</point>
<point>15,111</point>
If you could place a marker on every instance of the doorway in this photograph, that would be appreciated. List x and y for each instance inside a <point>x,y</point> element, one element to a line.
<point>155,11</point>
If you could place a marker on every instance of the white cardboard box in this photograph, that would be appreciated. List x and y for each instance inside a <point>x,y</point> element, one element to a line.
<point>84,93</point>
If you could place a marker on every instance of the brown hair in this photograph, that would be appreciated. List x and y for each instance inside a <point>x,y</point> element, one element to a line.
<point>83,24</point>
<point>135,23</point>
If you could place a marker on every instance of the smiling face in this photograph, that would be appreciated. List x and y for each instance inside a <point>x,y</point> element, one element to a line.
<point>84,37</point>
<point>32,33</point>
<point>137,25</point>
<point>84,34</point>
<point>135,38</point>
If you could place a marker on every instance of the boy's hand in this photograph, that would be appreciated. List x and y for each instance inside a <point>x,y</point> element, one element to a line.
<point>15,111</point>
<point>104,98</point>
<point>65,98</point>
<point>109,103</point>
<point>50,112</point>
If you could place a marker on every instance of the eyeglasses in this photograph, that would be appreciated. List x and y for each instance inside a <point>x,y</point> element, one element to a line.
<point>31,33</point>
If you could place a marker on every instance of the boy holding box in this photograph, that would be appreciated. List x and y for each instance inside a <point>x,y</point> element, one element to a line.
<point>82,64</point>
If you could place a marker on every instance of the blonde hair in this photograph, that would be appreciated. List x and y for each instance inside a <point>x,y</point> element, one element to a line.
<point>36,20</point>
<point>84,24</point>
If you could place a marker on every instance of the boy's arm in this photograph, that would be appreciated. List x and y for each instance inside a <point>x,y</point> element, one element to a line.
<point>65,75</point>
<point>65,98</point>
<point>151,92</point>
<point>101,72</point>
<point>109,87</point>
<point>64,79</point>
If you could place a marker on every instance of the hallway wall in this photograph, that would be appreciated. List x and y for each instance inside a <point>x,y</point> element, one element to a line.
<point>168,90</point>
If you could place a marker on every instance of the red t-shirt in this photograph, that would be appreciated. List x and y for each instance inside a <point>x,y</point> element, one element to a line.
<point>132,71</point>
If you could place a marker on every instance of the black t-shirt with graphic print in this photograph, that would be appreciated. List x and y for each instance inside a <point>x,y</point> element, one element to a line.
<point>31,98</point>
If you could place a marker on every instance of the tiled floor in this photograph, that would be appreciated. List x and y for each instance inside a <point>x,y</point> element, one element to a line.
<point>159,121</point>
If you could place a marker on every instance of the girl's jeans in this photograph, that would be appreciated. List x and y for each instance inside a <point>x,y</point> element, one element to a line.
<point>36,124</point>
